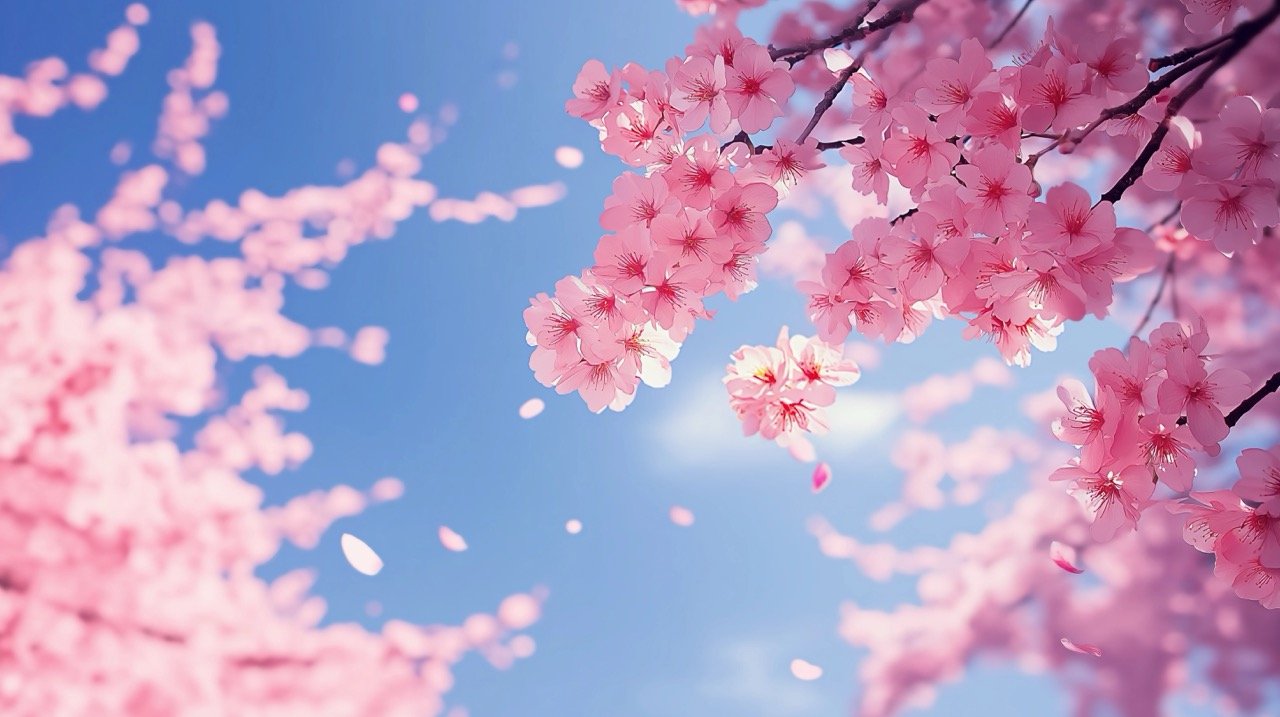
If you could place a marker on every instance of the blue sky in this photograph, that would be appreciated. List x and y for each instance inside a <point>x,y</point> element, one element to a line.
<point>644,618</point>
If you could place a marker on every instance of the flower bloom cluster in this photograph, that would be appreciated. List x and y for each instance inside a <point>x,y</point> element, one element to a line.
<point>1241,527</point>
<point>779,391</point>
<point>1152,407</point>
<point>979,244</point>
<point>690,227</point>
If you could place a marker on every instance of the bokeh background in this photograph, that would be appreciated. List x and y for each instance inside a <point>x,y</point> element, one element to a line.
<point>644,617</point>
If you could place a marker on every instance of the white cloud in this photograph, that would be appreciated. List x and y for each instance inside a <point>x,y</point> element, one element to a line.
<point>702,430</point>
<point>754,675</point>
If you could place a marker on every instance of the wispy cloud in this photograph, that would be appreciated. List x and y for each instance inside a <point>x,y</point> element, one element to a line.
<point>702,429</point>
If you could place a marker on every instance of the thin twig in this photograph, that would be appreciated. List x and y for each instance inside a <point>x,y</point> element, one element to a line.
<point>1155,300</point>
<point>1243,35</point>
<point>1247,405</point>
<point>828,98</point>
<point>1021,11</point>
<point>1183,55</point>
<point>852,33</point>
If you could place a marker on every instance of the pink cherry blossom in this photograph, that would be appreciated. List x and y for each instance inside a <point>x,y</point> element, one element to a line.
<point>758,88</point>
<point>1201,395</point>
<point>996,185</point>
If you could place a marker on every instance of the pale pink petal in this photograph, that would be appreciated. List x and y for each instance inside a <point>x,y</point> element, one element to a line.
<point>681,516</point>
<point>519,611</point>
<point>821,476</point>
<point>451,540</point>
<point>408,102</point>
<point>573,526</point>
<point>1064,556</point>
<point>370,345</point>
<point>569,157</point>
<point>360,555</point>
<point>1082,648</point>
<point>386,489</point>
<point>532,408</point>
<point>522,646</point>
<point>137,14</point>
<point>802,449</point>
<point>805,670</point>
<point>836,59</point>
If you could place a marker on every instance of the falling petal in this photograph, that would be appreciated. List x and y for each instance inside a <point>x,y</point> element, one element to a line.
<point>681,516</point>
<point>531,408</point>
<point>360,555</point>
<point>1064,556</point>
<point>451,540</point>
<point>802,450</point>
<point>821,477</point>
<point>837,59</point>
<point>1082,648</point>
<point>569,157</point>
<point>408,102</point>
<point>805,670</point>
<point>573,526</point>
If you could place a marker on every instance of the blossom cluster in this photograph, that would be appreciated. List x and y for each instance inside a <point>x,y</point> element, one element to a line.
<point>1241,527</point>
<point>779,391</point>
<point>979,244</point>
<point>690,227</point>
<point>1152,407</point>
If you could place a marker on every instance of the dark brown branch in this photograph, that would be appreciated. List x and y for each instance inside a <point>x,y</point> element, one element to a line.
<point>1155,300</point>
<point>1247,405</point>
<point>852,33</point>
<point>904,215</point>
<point>1007,28</point>
<point>1242,36</point>
<point>1183,55</point>
<point>1268,388</point>
<point>837,144</point>
<point>828,98</point>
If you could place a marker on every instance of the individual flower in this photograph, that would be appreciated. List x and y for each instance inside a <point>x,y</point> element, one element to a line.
<point>1192,390</point>
<point>996,187</point>
<point>595,91</point>
<point>1056,96</point>
<point>758,88</point>
<point>699,93</point>
<point>1114,500</point>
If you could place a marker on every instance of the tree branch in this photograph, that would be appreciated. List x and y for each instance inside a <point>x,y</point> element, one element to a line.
<point>1155,300</point>
<point>1268,388</point>
<point>1241,37</point>
<point>852,33</point>
<point>1021,11</point>
<point>828,98</point>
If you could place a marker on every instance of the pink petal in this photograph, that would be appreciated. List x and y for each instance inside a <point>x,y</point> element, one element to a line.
<point>451,540</point>
<point>360,555</point>
<point>386,489</point>
<point>408,102</point>
<point>802,449</point>
<point>836,59</point>
<point>681,516</point>
<point>1082,648</point>
<point>1064,556</point>
<point>821,476</point>
<point>569,157</point>
<point>531,408</point>
<point>573,526</point>
<point>805,670</point>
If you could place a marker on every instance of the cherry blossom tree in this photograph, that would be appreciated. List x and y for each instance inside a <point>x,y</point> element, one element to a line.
<point>129,542</point>
<point>1009,166</point>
